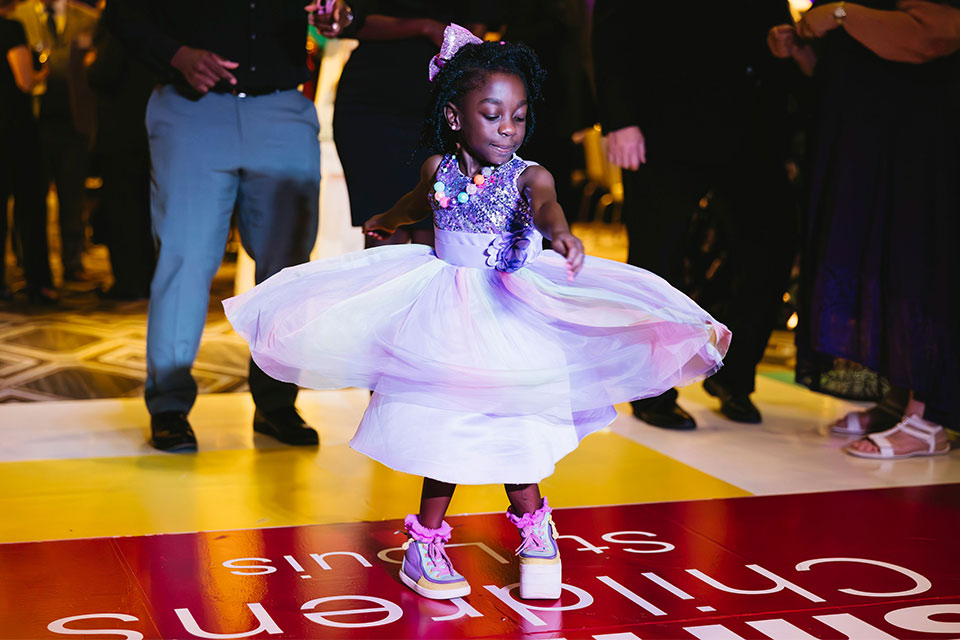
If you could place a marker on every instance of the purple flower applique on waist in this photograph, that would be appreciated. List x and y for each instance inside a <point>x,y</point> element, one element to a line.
<point>511,250</point>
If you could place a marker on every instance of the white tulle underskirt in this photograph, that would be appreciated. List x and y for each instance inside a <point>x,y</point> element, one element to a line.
<point>479,376</point>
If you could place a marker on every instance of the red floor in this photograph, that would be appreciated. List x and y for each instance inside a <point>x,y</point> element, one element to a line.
<point>874,564</point>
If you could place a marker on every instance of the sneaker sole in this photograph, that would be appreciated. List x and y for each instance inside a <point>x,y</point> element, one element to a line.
<point>540,581</point>
<point>434,594</point>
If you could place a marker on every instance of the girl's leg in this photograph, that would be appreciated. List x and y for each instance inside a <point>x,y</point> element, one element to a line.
<point>524,498</point>
<point>426,568</point>
<point>434,500</point>
<point>540,568</point>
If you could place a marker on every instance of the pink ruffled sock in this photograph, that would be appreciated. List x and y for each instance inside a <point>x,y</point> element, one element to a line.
<point>531,519</point>
<point>426,535</point>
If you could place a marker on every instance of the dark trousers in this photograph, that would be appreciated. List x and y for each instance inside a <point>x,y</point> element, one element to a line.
<point>65,155</point>
<point>659,203</point>
<point>21,177</point>
<point>126,219</point>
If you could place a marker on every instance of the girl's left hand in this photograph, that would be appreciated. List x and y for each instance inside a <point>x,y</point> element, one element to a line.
<point>571,248</point>
<point>817,21</point>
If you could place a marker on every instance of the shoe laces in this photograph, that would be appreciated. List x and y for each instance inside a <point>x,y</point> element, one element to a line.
<point>434,540</point>
<point>436,556</point>
<point>531,539</point>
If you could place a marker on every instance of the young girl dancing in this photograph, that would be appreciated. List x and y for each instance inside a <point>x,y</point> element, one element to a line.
<point>487,359</point>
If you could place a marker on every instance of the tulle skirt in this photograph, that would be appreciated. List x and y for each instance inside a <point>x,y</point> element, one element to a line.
<point>479,376</point>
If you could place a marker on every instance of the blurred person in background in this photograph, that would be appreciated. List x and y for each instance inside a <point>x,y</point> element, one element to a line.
<point>61,31</point>
<point>880,263</point>
<point>558,30</point>
<point>20,170</point>
<point>121,154</point>
<point>381,99</point>
<point>693,103</point>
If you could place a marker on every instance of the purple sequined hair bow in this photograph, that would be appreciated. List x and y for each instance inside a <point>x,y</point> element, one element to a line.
<point>454,37</point>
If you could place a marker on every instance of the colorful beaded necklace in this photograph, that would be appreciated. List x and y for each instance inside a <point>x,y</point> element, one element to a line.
<point>444,195</point>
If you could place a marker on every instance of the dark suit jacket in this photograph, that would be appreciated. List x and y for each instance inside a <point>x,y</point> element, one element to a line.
<point>697,78</point>
<point>67,94</point>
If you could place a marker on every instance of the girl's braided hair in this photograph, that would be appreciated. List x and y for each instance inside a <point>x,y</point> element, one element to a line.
<point>465,72</point>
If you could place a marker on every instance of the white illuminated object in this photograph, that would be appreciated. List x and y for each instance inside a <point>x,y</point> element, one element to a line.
<point>797,7</point>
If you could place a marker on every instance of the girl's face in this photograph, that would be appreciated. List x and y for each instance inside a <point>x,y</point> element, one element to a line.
<point>491,119</point>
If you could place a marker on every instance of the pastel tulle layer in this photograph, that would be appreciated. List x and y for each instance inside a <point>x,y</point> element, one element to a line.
<point>423,332</point>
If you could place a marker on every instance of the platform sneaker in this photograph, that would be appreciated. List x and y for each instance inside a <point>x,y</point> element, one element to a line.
<point>540,572</point>
<point>426,568</point>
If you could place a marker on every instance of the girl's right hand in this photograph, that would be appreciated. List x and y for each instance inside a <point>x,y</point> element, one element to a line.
<point>571,248</point>
<point>377,227</point>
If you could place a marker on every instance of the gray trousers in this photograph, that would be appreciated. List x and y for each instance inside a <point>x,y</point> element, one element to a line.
<point>256,156</point>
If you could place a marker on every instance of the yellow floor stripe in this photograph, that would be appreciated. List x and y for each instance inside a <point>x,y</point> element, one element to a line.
<point>58,499</point>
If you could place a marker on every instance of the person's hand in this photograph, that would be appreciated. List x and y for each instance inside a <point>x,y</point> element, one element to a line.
<point>378,227</point>
<point>782,40</point>
<point>433,31</point>
<point>571,248</point>
<point>203,69</point>
<point>626,148</point>
<point>817,21</point>
<point>330,17</point>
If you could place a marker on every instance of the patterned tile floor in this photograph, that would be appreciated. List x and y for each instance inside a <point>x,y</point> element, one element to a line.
<point>87,347</point>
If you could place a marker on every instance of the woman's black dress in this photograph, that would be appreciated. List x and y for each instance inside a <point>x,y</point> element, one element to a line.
<point>881,264</point>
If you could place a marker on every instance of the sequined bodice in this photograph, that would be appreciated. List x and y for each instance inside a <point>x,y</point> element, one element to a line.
<point>494,206</point>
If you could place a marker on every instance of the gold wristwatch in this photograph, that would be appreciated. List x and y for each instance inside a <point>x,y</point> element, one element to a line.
<point>840,13</point>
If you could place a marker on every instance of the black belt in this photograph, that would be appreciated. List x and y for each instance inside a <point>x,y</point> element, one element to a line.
<point>243,93</point>
<point>189,92</point>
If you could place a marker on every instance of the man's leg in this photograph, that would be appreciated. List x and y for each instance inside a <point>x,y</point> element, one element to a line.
<point>64,160</point>
<point>30,217</point>
<point>70,180</point>
<point>278,219</point>
<point>761,210</point>
<point>193,146</point>
<point>658,205</point>
<point>126,182</point>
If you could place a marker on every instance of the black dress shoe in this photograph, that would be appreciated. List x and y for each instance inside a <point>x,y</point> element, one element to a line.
<point>170,431</point>
<point>43,297</point>
<point>664,415</point>
<point>736,406</point>
<point>285,425</point>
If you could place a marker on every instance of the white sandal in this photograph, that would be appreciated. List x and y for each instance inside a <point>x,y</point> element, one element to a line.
<point>849,425</point>
<point>853,424</point>
<point>912,425</point>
